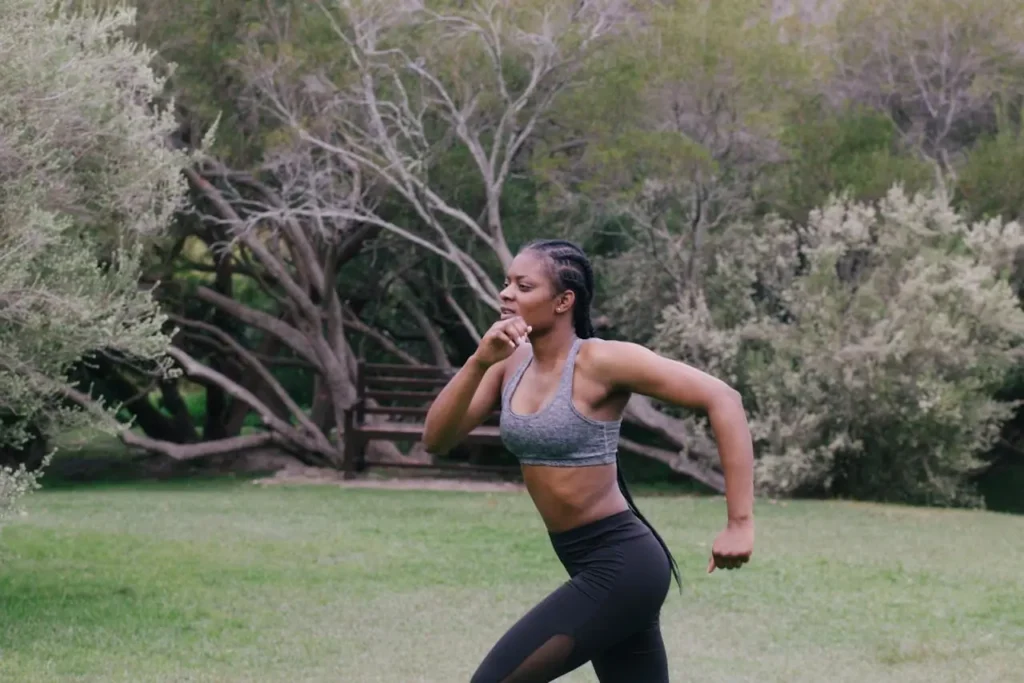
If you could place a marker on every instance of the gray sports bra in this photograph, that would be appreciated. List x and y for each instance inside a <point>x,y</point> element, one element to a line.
<point>557,434</point>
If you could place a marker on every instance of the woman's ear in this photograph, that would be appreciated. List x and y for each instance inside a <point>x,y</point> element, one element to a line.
<point>565,301</point>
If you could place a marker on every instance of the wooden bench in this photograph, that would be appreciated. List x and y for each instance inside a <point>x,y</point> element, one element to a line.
<point>402,394</point>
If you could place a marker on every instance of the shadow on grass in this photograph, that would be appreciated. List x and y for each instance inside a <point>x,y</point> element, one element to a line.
<point>91,461</point>
<point>1003,488</point>
<point>103,461</point>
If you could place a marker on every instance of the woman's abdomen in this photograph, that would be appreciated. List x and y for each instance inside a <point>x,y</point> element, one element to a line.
<point>568,497</point>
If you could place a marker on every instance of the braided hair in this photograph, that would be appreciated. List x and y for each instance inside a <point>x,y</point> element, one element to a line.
<point>570,269</point>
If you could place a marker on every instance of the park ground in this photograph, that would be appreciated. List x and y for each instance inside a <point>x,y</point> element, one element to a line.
<point>224,579</point>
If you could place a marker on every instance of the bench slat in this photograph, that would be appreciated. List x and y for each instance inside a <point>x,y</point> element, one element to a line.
<point>389,383</point>
<point>410,410</point>
<point>378,369</point>
<point>387,394</point>
<point>407,381</point>
<point>396,410</point>
<point>404,429</point>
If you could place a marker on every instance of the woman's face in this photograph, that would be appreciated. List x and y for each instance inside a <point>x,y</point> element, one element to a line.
<point>530,293</point>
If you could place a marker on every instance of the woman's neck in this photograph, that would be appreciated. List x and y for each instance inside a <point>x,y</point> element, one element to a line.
<point>550,349</point>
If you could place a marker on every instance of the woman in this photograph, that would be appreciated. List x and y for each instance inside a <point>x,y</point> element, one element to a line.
<point>561,397</point>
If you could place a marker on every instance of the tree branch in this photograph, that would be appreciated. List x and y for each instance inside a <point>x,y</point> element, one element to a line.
<point>194,368</point>
<point>202,449</point>
<point>429,332</point>
<point>463,318</point>
<point>678,463</point>
<point>641,411</point>
<point>275,386</point>
<point>353,322</point>
<point>173,450</point>
<point>269,324</point>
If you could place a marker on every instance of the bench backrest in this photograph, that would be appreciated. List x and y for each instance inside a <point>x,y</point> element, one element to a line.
<point>401,391</point>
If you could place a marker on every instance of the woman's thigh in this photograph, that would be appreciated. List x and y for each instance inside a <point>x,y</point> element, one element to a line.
<point>640,658</point>
<point>541,645</point>
<point>608,613</point>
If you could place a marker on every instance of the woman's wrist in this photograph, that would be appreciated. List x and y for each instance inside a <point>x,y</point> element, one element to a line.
<point>740,521</point>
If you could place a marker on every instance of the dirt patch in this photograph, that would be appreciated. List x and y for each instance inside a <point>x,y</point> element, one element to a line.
<point>264,467</point>
<point>421,481</point>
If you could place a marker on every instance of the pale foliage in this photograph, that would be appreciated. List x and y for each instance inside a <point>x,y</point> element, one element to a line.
<point>15,483</point>
<point>868,344</point>
<point>85,177</point>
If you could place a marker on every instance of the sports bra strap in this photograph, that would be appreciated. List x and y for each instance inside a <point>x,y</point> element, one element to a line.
<point>564,382</point>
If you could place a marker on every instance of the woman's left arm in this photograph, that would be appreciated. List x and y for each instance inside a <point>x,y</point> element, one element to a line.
<point>637,369</point>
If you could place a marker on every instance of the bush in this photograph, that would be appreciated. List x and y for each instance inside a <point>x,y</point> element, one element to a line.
<point>988,183</point>
<point>87,179</point>
<point>855,151</point>
<point>15,483</point>
<point>868,344</point>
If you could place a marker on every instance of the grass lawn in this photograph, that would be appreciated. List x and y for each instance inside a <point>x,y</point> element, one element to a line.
<point>226,581</point>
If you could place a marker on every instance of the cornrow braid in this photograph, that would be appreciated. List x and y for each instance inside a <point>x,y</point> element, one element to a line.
<point>571,269</point>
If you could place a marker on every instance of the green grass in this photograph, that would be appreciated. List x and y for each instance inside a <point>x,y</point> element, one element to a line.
<point>225,581</point>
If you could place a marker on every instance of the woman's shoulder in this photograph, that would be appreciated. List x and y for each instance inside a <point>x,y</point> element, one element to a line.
<point>596,348</point>
<point>626,366</point>
<point>606,358</point>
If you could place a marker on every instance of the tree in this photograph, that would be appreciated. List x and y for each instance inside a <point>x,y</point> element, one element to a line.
<point>416,81</point>
<point>366,105</point>
<point>86,181</point>
<point>852,150</point>
<point>354,152</point>
<point>419,82</point>
<point>941,69</point>
<point>678,128</point>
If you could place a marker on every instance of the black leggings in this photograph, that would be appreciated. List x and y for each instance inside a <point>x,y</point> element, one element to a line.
<point>607,613</point>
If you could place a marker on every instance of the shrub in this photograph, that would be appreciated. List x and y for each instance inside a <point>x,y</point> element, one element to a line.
<point>868,344</point>
<point>86,179</point>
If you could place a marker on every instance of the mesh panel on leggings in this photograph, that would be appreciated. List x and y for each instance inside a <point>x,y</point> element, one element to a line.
<point>544,664</point>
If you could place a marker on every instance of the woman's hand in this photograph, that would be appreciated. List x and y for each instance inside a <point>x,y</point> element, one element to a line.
<point>733,546</point>
<point>501,340</point>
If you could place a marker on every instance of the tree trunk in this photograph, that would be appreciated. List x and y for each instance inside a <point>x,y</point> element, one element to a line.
<point>217,404</point>
<point>322,412</point>
<point>692,454</point>
<point>181,420</point>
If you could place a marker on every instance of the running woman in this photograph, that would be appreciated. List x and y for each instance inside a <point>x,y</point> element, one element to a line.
<point>562,393</point>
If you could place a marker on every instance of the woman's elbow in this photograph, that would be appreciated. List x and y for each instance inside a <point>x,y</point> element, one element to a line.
<point>431,438</point>
<point>434,439</point>
<point>734,397</point>
<point>727,401</point>
<point>435,446</point>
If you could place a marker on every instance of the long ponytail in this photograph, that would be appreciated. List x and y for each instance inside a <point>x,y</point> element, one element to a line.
<point>572,271</point>
<point>661,541</point>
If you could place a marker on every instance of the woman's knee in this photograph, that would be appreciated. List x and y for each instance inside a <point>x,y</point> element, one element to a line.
<point>485,674</point>
<point>545,663</point>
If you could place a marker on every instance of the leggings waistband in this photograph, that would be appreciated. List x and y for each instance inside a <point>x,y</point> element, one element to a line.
<point>598,527</point>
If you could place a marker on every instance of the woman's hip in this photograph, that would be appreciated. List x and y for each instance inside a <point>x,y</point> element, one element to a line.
<point>616,554</point>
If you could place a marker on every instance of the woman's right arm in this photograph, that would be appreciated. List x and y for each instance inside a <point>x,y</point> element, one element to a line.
<point>475,389</point>
<point>462,405</point>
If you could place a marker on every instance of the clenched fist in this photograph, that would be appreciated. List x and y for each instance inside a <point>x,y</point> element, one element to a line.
<point>733,546</point>
<point>501,340</point>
